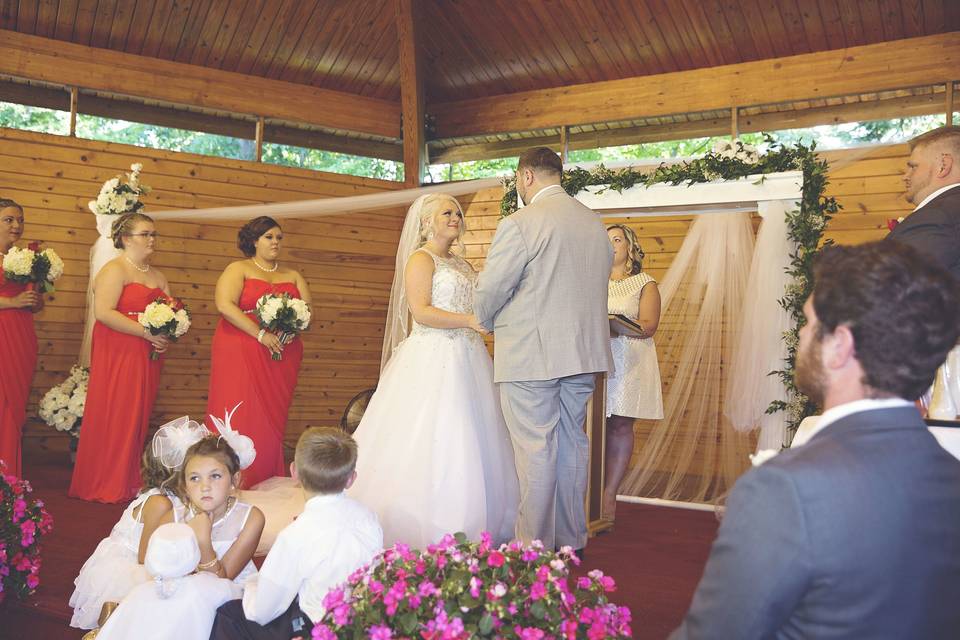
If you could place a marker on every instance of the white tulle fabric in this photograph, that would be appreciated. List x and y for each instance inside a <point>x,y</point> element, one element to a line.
<point>435,455</point>
<point>759,347</point>
<point>694,453</point>
<point>101,252</point>
<point>112,570</point>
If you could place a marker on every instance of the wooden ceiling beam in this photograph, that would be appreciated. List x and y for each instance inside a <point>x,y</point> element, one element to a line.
<point>864,69</point>
<point>890,108</point>
<point>65,63</point>
<point>411,93</point>
<point>180,119</point>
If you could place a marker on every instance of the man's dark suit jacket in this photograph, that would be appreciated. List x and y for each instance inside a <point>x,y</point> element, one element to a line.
<point>934,229</point>
<point>855,534</point>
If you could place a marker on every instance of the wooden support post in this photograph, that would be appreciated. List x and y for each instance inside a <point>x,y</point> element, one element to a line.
<point>411,93</point>
<point>734,122</point>
<point>564,143</point>
<point>74,99</point>
<point>259,139</point>
<point>950,104</point>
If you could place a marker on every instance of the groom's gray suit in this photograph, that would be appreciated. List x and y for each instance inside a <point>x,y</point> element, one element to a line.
<point>543,290</point>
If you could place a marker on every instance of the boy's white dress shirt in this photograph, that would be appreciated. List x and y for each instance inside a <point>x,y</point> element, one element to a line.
<point>334,536</point>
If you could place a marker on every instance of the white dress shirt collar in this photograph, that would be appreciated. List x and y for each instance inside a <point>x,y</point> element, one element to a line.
<point>932,195</point>
<point>549,187</point>
<point>842,411</point>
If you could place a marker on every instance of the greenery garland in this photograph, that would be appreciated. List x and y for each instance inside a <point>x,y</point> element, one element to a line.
<point>804,226</point>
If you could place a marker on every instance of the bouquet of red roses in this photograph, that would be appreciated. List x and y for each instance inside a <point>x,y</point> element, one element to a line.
<point>22,523</point>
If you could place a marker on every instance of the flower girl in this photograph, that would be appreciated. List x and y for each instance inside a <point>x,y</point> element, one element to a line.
<point>116,565</point>
<point>227,530</point>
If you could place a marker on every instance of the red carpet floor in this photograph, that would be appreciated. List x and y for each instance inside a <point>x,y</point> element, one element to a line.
<point>656,555</point>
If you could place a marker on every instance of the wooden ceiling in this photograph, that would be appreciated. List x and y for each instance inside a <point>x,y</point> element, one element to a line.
<point>474,48</point>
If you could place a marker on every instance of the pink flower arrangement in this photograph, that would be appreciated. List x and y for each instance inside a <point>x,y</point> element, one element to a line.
<point>22,523</point>
<point>461,589</point>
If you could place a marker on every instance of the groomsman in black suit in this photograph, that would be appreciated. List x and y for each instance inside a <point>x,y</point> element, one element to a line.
<point>855,534</point>
<point>932,179</point>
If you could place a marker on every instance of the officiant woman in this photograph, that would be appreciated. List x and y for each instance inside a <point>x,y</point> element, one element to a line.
<point>633,388</point>
<point>242,369</point>
<point>18,342</point>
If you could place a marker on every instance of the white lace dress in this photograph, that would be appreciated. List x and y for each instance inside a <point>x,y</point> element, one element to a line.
<point>633,389</point>
<point>435,455</point>
<point>225,532</point>
<point>112,570</point>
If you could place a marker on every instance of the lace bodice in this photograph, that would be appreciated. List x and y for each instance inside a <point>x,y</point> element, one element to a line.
<point>452,290</point>
<point>623,296</point>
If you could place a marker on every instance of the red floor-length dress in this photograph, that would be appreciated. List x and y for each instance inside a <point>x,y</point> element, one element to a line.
<point>123,385</point>
<point>242,369</point>
<point>18,359</point>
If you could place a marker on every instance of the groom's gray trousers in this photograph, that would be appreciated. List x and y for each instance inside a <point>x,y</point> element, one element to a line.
<point>545,419</point>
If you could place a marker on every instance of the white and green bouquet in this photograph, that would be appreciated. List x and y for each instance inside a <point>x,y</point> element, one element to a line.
<point>118,196</point>
<point>40,268</point>
<point>165,316</point>
<point>283,315</point>
<point>62,406</point>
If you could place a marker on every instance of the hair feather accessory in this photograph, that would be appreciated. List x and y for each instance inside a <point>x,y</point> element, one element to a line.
<point>242,445</point>
<point>171,441</point>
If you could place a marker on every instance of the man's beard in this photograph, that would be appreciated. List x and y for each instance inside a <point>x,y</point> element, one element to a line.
<point>808,373</point>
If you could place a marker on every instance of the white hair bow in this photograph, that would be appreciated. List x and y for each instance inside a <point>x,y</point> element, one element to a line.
<point>241,444</point>
<point>171,441</point>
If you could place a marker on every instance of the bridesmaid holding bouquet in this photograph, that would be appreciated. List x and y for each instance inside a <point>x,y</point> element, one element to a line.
<point>18,342</point>
<point>123,376</point>
<point>252,364</point>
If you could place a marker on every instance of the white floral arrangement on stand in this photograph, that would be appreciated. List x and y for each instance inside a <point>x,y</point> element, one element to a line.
<point>118,196</point>
<point>62,406</point>
<point>283,315</point>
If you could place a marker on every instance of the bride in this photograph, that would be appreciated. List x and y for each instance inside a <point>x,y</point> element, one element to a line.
<point>435,455</point>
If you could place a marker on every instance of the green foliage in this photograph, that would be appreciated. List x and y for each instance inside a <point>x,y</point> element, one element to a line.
<point>805,226</point>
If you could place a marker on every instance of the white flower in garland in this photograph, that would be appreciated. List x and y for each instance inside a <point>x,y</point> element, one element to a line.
<point>736,150</point>
<point>118,196</point>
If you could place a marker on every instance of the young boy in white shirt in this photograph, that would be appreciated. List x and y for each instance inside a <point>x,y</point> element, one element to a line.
<point>334,536</point>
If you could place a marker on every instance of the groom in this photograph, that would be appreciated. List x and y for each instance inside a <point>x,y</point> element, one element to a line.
<point>543,291</point>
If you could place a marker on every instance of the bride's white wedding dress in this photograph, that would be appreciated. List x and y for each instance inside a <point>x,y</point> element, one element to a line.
<point>435,456</point>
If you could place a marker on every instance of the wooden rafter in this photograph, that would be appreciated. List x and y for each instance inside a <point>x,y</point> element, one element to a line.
<point>411,93</point>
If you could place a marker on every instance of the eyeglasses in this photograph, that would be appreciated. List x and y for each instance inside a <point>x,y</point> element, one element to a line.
<point>146,234</point>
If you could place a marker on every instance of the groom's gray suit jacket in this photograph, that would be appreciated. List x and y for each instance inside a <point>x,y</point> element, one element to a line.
<point>543,290</point>
<point>856,535</point>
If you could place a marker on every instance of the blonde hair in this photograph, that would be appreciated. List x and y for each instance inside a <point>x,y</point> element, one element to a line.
<point>153,475</point>
<point>124,225</point>
<point>635,254</point>
<point>325,459</point>
<point>429,209</point>
<point>948,137</point>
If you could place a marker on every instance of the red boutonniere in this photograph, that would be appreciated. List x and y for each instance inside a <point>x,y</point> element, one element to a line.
<point>34,246</point>
<point>893,222</point>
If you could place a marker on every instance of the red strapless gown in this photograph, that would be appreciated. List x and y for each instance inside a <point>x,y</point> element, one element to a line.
<point>241,369</point>
<point>18,359</point>
<point>123,385</point>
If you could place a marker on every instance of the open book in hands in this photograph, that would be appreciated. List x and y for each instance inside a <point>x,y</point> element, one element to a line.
<point>621,325</point>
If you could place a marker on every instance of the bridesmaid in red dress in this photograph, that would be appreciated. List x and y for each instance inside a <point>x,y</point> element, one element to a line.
<point>123,379</point>
<point>18,343</point>
<point>241,367</point>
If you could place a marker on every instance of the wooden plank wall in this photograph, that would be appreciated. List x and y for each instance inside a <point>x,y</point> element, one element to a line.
<point>348,262</point>
<point>866,182</point>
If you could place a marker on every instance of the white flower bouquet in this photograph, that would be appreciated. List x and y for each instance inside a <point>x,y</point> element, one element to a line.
<point>165,316</point>
<point>62,406</point>
<point>118,196</point>
<point>40,268</point>
<point>282,315</point>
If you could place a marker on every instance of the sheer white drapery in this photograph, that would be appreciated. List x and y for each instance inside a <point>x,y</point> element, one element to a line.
<point>759,346</point>
<point>101,252</point>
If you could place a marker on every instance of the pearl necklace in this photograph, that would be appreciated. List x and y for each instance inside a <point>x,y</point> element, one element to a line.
<point>276,265</point>
<point>142,269</point>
